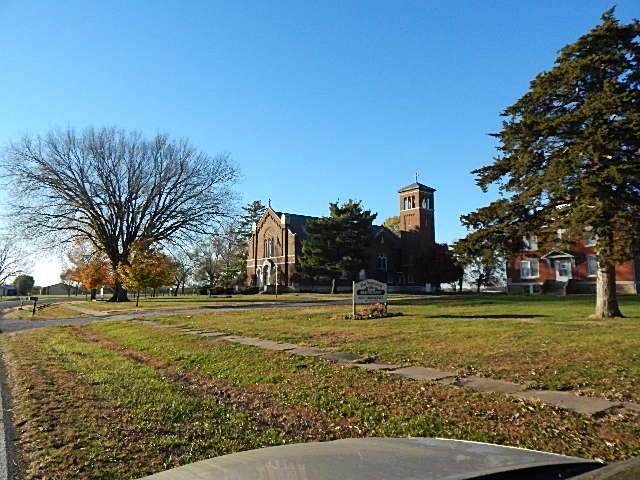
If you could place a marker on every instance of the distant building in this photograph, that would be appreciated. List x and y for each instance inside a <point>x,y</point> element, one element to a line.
<point>8,291</point>
<point>548,269</point>
<point>277,238</point>
<point>58,289</point>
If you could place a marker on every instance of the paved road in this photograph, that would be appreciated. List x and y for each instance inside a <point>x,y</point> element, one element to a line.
<point>12,302</point>
<point>7,326</point>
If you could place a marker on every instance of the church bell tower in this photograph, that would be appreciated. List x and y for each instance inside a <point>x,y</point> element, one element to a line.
<point>417,229</point>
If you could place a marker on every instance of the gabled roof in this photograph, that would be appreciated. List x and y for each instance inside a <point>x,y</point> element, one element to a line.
<point>296,223</point>
<point>557,254</point>
<point>381,229</point>
<point>417,186</point>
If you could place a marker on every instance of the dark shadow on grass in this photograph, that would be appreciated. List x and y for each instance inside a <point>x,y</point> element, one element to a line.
<point>497,316</point>
<point>439,301</point>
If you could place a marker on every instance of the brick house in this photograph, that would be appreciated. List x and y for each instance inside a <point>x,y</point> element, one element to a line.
<point>549,269</point>
<point>276,244</point>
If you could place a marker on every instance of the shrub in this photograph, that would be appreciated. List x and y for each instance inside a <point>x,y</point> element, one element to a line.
<point>250,290</point>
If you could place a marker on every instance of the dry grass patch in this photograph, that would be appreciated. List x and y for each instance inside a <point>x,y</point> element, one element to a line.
<point>44,311</point>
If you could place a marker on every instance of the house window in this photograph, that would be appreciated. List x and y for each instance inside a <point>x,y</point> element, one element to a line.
<point>589,239</point>
<point>529,268</point>
<point>382,263</point>
<point>530,242</point>
<point>592,265</point>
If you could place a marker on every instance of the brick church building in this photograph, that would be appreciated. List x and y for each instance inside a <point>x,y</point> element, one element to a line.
<point>276,245</point>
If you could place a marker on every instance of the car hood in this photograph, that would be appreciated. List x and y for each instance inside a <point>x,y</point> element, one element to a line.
<point>378,459</point>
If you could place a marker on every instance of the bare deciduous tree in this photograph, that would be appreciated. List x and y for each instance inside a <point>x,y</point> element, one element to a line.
<point>184,266</point>
<point>113,188</point>
<point>11,261</point>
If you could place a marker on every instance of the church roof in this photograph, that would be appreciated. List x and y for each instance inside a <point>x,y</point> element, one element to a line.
<point>416,186</point>
<point>296,223</point>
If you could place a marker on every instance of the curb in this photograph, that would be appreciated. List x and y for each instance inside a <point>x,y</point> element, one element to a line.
<point>9,466</point>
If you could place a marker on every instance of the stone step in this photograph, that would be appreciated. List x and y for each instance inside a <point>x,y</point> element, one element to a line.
<point>568,401</point>
<point>423,373</point>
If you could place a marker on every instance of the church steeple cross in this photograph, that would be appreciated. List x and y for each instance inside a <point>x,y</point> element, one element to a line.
<point>417,175</point>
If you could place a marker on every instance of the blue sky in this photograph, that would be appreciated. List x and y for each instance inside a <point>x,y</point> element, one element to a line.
<point>315,101</point>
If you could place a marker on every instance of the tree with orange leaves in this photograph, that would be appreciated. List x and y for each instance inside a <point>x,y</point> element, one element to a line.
<point>94,273</point>
<point>89,269</point>
<point>147,267</point>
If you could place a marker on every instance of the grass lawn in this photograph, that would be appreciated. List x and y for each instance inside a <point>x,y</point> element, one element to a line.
<point>124,399</point>
<point>190,301</point>
<point>547,341</point>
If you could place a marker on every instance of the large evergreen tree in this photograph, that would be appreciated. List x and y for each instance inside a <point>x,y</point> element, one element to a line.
<point>569,155</point>
<point>337,243</point>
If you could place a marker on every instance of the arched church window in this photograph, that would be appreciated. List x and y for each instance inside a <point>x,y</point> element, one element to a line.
<point>269,247</point>
<point>382,263</point>
<point>413,201</point>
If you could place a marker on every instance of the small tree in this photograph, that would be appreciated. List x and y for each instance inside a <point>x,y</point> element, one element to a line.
<point>183,267</point>
<point>11,261</point>
<point>440,265</point>
<point>231,251</point>
<point>483,267</point>
<point>146,268</point>
<point>94,273</point>
<point>392,223</point>
<point>338,243</point>
<point>24,284</point>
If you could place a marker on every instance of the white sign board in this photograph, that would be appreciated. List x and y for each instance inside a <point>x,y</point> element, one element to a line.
<point>369,291</point>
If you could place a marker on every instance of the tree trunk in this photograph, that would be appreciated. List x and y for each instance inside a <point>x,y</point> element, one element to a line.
<point>606,298</point>
<point>94,292</point>
<point>138,298</point>
<point>175,291</point>
<point>333,286</point>
<point>478,285</point>
<point>119,293</point>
